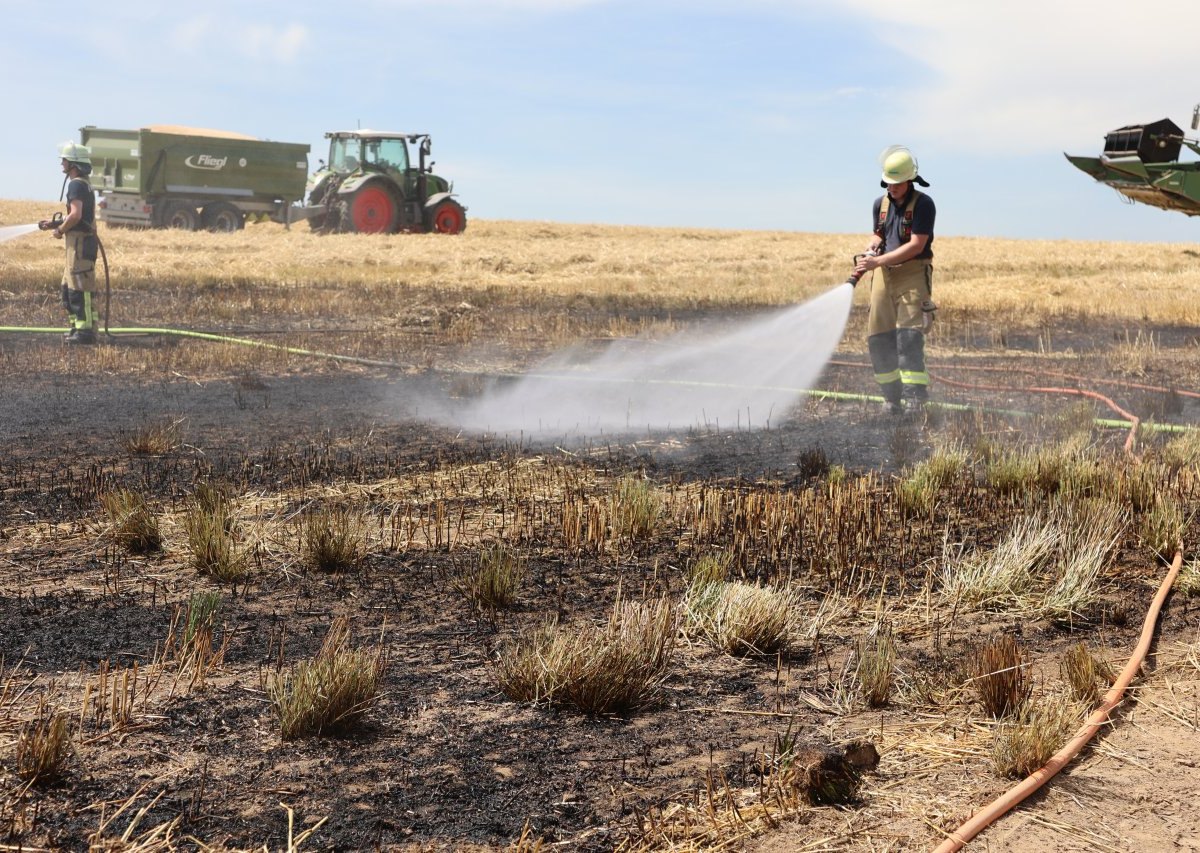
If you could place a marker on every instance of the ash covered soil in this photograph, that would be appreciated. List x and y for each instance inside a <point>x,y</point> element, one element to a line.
<point>445,760</point>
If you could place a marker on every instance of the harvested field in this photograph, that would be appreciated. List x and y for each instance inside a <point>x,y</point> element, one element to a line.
<point>254,598</point>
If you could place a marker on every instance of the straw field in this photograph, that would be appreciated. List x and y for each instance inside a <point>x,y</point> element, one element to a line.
<point>251,598</point>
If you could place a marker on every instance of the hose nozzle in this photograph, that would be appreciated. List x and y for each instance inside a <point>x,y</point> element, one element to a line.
<point>855,275</point>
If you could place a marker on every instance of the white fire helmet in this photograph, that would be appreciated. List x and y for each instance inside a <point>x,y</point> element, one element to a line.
<point>73,152</point>
<point>899,164</point>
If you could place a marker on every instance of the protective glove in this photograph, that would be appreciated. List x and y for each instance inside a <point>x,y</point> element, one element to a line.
<point>855,275</point>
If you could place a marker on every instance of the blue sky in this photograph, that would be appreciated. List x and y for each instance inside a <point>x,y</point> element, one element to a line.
<point>762,114</point>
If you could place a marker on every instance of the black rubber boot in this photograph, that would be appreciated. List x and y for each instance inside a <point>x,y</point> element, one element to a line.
<point>85,337</point>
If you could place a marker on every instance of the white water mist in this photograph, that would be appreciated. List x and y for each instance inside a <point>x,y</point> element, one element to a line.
<point>10,232</point>
<point>744,376</point>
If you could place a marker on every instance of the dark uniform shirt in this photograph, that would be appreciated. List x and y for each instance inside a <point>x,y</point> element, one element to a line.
<point>924,213</point>
<point>80,189</point>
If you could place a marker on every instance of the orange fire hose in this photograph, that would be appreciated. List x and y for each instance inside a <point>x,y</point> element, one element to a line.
<point>986,816</point>
<point>1134,420</point>
<point>1120,383</point>
<point>1037,371</point>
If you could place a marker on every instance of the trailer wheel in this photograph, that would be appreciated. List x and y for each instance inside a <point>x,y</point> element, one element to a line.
<point>222,216</point>
<point>373,210</point>
<point>448,217</point>
<point>181,216</point>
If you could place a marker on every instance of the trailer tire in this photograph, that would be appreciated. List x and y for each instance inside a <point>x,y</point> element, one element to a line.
<point>447,217</point>
<point>223,217</point>
<point>180,215</point>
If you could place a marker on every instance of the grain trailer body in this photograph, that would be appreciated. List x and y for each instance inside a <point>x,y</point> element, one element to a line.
<point>177,177</point>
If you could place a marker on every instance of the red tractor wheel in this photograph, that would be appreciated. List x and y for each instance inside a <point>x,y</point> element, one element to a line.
<point>448,217</point>
<point>373,210</point>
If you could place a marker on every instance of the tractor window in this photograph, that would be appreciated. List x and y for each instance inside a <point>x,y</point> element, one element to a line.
<point>344,154</point>
<point>391,154</point>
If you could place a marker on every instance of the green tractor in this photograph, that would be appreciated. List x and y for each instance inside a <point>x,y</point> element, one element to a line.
<point>1141,162</point>
<point>370,186</point>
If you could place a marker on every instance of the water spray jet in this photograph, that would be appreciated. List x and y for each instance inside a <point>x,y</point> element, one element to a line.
<point>11,232</point>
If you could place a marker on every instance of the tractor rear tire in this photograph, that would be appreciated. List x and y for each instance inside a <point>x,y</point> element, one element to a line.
<point>372,210</point>
<point>180,215</point>
<point>319,223</point>
<point>447,217</point>
<point>223,217</point>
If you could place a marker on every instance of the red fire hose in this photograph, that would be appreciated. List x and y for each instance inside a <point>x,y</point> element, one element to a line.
<point>1015,795</point>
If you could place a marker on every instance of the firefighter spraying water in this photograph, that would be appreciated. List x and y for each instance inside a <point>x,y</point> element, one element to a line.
<point>77,230</point>
<point>902,308</point>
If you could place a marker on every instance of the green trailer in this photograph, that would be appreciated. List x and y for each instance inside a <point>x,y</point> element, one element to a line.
<point>1142,163</point>
<point>179,177</point>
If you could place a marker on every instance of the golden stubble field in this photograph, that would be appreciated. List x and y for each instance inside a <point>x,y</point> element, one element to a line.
<point>250,598</point>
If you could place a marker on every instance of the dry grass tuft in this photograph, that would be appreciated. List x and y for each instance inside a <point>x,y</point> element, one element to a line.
<point>999,577</point>
<point>1181,451</point>
<point>1028,472</point>
<point>526,842</point>
<point>132,524</point>
<point>636,508</point>
<point>1002,681</point>
<point>1011,472</point>
<point>740,618</point>
<point>875,665</point>
<point>1133,356</point>
<point>156,438</point>
<point>43,747</point>
<point>209,525</point>
<point>1025,744</point>
<point>330,692</point>
<point>1083,673</point>
<point>1187,582</point>
<point>191,639</point>
<point>493,584</point>
<point>812,463</point>
<point>1161,528</point>
<point>610,669</point>
<point>710,568</point>
<point>1091,532</point>
<point>333,540</point>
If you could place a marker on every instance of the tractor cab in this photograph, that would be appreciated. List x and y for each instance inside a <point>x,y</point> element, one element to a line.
<point>350,154</point>
<point>371,185</point>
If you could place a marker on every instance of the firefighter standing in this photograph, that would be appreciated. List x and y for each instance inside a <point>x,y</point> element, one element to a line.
<point>78,232</point>
<point>902,308</point>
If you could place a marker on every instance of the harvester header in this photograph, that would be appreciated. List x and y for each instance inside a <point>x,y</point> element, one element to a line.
<point>1142,163</point>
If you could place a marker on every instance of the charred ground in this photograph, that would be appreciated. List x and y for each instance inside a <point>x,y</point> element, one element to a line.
<point>444,760</point>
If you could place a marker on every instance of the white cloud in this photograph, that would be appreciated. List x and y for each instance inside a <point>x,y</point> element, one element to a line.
<point>199,35</point>
<point>485,6</point>
<point>190,36</point>
<point>284,45</point>
<point>1029,74</point>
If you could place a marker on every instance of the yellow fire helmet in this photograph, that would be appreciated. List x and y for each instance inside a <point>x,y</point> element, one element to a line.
<point>899,164</point>
<point>73,152</point>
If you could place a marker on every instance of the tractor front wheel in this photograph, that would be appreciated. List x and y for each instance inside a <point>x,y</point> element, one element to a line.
<point>447,217</point>
<point>373,210</point>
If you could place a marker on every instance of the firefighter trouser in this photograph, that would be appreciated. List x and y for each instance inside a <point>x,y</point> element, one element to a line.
<point>79,280</point>
<point>895,330</point>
